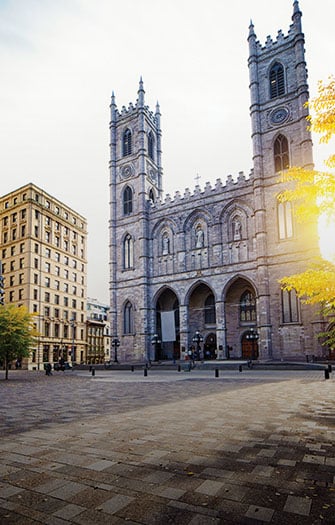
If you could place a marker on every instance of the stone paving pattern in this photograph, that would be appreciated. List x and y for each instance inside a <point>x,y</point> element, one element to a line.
<point>249,448</point>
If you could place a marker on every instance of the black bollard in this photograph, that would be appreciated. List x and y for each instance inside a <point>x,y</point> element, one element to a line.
<point>216,372</point>
<point>240,368</point>
<point>326,373</point>
<point>145,372</point>
<point>179,368</point>
<point>132,368</point>
<point>93,371</point>
<point>330,368</point>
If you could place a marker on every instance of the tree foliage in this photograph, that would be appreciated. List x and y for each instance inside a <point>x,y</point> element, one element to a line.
<point>17,333</point>
<point>313,194</point>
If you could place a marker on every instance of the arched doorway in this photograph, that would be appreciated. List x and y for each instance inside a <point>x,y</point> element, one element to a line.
<point>202,319</point>
<point>167,326</point>
<point>241,319</point>
<point>210,346</point>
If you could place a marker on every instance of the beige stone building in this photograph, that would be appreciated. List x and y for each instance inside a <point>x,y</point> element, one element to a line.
<point>43,254</point>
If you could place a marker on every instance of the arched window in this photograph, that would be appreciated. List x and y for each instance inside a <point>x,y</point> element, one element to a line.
<point>247,307</point>
<point>290,306</point>
<point>280,152</point>
<point>128,318</point>
<point>210,316</point>
<point>128,252</point>
<point>151,196</point>
<point>151,142</point>
<point>277,83</point>
<point>127,201</point>
<point>126,143</point>
<point>285,220</point>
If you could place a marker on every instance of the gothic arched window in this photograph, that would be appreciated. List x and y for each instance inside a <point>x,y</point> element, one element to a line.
<point>210,316</point>
<point>128,318</point>
<point>126,143</point>
<point>285,220</point>
<point>247,307</point>
<point>151,145</point>
<point>127,201</point>
<point>128,252</point>
<point>290,306</point>
<point>277,83</point>
<point>280,153</point>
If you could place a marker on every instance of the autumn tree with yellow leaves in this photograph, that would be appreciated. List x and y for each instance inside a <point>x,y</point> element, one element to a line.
<point>313,195</point>
<point>17,333</point>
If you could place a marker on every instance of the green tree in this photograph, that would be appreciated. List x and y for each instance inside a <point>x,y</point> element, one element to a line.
<point>313,193</point>
<point>17,333</point>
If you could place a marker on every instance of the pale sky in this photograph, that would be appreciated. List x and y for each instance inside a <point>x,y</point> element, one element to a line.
<point>61,59</point>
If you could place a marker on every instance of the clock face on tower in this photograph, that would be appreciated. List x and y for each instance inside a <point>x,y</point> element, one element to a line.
<point>279,115</point>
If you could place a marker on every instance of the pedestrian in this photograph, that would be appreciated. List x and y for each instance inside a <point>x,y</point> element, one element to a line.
<point>48,369</point>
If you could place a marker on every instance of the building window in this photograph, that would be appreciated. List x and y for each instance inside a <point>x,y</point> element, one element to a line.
<point>285,220</point>
<point>36,231</point>
<point>290,306</point>
<point>14,234</point>
<point>46,329</point>
<point>56,299</point>
<point>23,213</point>
<point>151,142</point>
<point>12,266</point>
<point>35,295</point>
<point>128,252</point>
<point>20,294</point>
<point>36,263</point>
<point>11,280</point>
<point>35,278</point>
<point>23,230</point>
<point>21,264</point>
<point>47,282</point>
<point>247,307</point>
<point>36,248</point>
<point>22,247</point>
<point>210,316</point>
<point>127,200</point>
<point>47,267</point>
<point>281,154</point>
<point>277,84</point>
<point>47,297</point>
<point>128,318</point>
<point>12,250</point>
<point>21,278</point>
<point>46,311</point>
<point>126,143</point>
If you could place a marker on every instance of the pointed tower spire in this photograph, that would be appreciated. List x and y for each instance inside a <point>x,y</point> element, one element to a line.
<point>113,107</point>
<point>252,39</point>
<point>296,17</point>
<point>141,94</point>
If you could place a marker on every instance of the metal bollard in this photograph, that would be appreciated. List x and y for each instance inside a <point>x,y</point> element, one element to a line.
<point>326,373</point>
<point>179,368</point>
<point>330,369</point>
<point>132,368</point>
<point>93,371</point>
<point>216,372</point>
<point>145,372</point>
<point>240,368</point>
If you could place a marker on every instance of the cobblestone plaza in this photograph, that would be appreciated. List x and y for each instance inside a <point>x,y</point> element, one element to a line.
<point>169,447</point>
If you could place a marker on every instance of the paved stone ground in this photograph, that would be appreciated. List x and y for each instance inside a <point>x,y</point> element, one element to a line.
<point>180,448</point>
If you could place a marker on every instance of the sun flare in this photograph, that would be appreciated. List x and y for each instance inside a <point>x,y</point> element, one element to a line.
<point>327,239</point>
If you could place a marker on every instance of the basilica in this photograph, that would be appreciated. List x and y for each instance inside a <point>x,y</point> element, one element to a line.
<point>200,271</point>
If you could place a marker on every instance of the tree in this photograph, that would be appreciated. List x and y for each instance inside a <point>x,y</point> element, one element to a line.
<point>17,333</point>
<point>313,194</point>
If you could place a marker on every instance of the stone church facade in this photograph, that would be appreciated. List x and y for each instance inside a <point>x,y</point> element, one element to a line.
<point>200,270</point>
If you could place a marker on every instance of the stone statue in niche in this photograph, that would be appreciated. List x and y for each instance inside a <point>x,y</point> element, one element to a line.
<point>237,230</point>
<point>199,236</point>
<point>166,245</point>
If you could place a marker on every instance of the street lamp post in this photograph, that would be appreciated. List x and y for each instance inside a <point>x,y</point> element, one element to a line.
<point>115,345</point>
<point>155,341</point>
<point>72,321</point>
<point>197,338</point>
<point>252,336</point>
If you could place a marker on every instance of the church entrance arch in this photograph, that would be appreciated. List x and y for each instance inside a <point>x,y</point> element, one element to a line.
<point>241,319</point>
<point>202,320</point>
<point>167,345</point>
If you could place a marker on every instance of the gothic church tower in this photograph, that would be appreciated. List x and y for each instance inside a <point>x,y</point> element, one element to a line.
<point>135,181</point>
